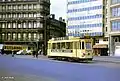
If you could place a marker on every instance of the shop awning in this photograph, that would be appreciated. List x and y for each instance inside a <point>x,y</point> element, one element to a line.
<point>100,46</point>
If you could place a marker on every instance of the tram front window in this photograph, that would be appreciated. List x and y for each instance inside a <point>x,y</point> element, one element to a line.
<point>88,45</point>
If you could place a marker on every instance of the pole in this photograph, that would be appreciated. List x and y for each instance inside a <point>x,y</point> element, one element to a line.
<point>45,35</point>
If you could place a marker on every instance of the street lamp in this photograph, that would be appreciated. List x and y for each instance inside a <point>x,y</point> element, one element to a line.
<point>45,32</point>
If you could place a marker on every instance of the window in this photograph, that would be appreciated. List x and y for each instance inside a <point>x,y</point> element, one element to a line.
<point>24,36</point>
<point>88,45</point>
<point>83,47</point>
<point>30,15</point>
<point>9,25</point>
<point>62,45</point>
<point>29,6</point>
<point>58,46</point>
<point>54,46</point>
<point>41,25</point>
<point>35,15</point>
<point>38,24</point>
<point>38,14</point>
<point>29,24</point>
<point>97,40</point>
<point>24,25</point>
<point>19,35</point>
<point>19,7</point>
<point>80,45</point>
<point>3,36</point>
<point>35,24</point>
<point>9,36</point>
<point>3,25</point>
<point>19,25</point>
<point>14,25</point>
<point>34,6</point>
<point>41,36</point>
<point>106,29</point>
<point>35,36</point>
<point>29,36</point>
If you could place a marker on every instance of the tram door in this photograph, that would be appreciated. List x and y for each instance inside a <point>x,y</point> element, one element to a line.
<point>75,44</point>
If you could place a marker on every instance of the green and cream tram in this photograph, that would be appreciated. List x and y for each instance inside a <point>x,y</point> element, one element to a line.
<point>70,48</point>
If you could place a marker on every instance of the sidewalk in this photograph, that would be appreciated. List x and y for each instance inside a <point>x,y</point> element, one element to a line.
<point>110,59</point>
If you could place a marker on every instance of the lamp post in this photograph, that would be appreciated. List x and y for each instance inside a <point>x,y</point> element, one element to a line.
<point>45,32</point>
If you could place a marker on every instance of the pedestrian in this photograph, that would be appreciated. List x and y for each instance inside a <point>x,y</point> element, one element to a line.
<point>36,54</point>
<point>12,53</point>
<point>33,53</point>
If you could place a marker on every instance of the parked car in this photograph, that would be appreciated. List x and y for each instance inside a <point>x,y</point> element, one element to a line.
<point>24,52</point>
<point>28,52</point>
<point>21,52</point>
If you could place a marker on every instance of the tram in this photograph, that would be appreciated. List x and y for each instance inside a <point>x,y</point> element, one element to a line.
<point>70,48</point>
<point>9,48</point>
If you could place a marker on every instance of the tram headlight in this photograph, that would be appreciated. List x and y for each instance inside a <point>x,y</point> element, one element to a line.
<point>88,53</point>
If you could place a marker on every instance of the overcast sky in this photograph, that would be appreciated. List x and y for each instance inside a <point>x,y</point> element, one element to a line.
<point>58,7</point>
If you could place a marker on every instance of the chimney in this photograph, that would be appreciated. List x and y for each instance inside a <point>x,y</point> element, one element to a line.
<point>60,18</point>
<point>63,20</point>
<point>53,16</point>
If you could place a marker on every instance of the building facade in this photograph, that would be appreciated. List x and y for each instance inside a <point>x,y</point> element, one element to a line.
<point>22,22</point>
<point>114,26</point>
<point>87,17</point>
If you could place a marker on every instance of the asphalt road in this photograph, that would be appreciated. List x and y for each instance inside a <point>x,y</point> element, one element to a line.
<point>21,69</point>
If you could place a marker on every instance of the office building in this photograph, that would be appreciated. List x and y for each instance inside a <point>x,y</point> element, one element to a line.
<point>87,18</point>
<point>114,26</point>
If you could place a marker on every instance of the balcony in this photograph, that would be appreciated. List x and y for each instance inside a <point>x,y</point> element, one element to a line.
<point>22,19</point>
<point>22,29</point>
<point>21,10</point>
<point>18,1</point>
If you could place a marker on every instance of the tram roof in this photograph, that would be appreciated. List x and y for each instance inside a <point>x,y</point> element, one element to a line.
<point>66,39</point>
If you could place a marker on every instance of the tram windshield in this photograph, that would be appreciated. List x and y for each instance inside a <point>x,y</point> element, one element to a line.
<point>88,45</point>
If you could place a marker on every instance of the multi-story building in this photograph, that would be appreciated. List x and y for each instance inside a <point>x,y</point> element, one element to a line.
<point>86,17</point>
<point>22,22</point>
<point>114,26</point>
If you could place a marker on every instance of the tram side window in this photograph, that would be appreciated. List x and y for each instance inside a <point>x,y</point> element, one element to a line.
<point>58,45</point>
<point>69,45</point>
<point>80,45</point>
<point>53,46</point>
<point>83,47</point>
<point>63,45</point>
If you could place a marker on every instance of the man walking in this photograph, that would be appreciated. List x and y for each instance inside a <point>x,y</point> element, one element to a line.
<point>36,54</point>
<point>12,53</point>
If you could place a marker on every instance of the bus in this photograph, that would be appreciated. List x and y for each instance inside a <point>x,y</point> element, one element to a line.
<point>70,48</point>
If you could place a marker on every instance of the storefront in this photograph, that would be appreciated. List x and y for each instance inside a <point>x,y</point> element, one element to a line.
<point>100,50</point>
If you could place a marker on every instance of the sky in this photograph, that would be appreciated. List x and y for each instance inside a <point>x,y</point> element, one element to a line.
<point>59,8</point>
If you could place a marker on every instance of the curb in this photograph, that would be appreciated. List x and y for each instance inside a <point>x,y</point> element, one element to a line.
<point>107,61</point>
